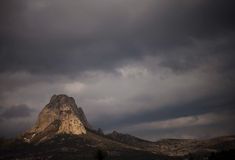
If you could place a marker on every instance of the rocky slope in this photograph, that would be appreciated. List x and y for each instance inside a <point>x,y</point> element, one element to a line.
<point>184,147</point>
<point>87,146</point>
<point>60,115</point>
<point>177,147</point>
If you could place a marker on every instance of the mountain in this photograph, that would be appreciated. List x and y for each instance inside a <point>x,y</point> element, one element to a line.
<point>126,138</point>
<point>131,140</point>
<point>62,131</point>
<point>184,147</point>
<point>177,147</point>
<point>60,115</point>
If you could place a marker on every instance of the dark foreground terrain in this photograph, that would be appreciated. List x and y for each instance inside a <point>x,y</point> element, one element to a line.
<point>116,146</point>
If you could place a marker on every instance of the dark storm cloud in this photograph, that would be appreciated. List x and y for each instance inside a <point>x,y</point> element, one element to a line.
<point>188,132</point>
<point>41,37</point>
<point>14,120</point>
<point>45,43</point>
<point>18,111</point>
<point>214,104</point>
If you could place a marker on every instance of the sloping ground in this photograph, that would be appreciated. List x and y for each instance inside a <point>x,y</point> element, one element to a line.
<point>92,145</point>
<point>134,141</point>
<point>178,147</point>
<point>126,138</point>
<point>69,147</point>
<point>182,147</point>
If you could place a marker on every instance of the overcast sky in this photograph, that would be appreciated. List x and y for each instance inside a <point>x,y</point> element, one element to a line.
<point>151,68</point>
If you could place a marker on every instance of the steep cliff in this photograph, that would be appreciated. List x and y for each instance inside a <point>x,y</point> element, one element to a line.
<point>60,115</point>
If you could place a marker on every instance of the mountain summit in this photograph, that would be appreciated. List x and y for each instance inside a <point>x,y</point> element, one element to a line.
<point>60,115</point>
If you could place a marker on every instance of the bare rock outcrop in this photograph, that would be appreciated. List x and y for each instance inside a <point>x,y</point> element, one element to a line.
<point>60,116</point>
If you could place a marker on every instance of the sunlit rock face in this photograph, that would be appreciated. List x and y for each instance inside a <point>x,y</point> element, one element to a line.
<point>61,115</point>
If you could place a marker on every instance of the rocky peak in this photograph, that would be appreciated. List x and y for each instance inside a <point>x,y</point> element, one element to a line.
<point>115,133</point>
<point>60,115</point>
<point>56,99</point>
<point>125,138</point>
<point>100,131</point>
<point>82,117</point>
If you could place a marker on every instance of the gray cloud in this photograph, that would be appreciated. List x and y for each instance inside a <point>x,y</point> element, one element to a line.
<point>14,120</point>
<point>93,36</point>
<point>202,131</point>
<point>128,61</point>
<point>18,111</point>
<point>214,104</point>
